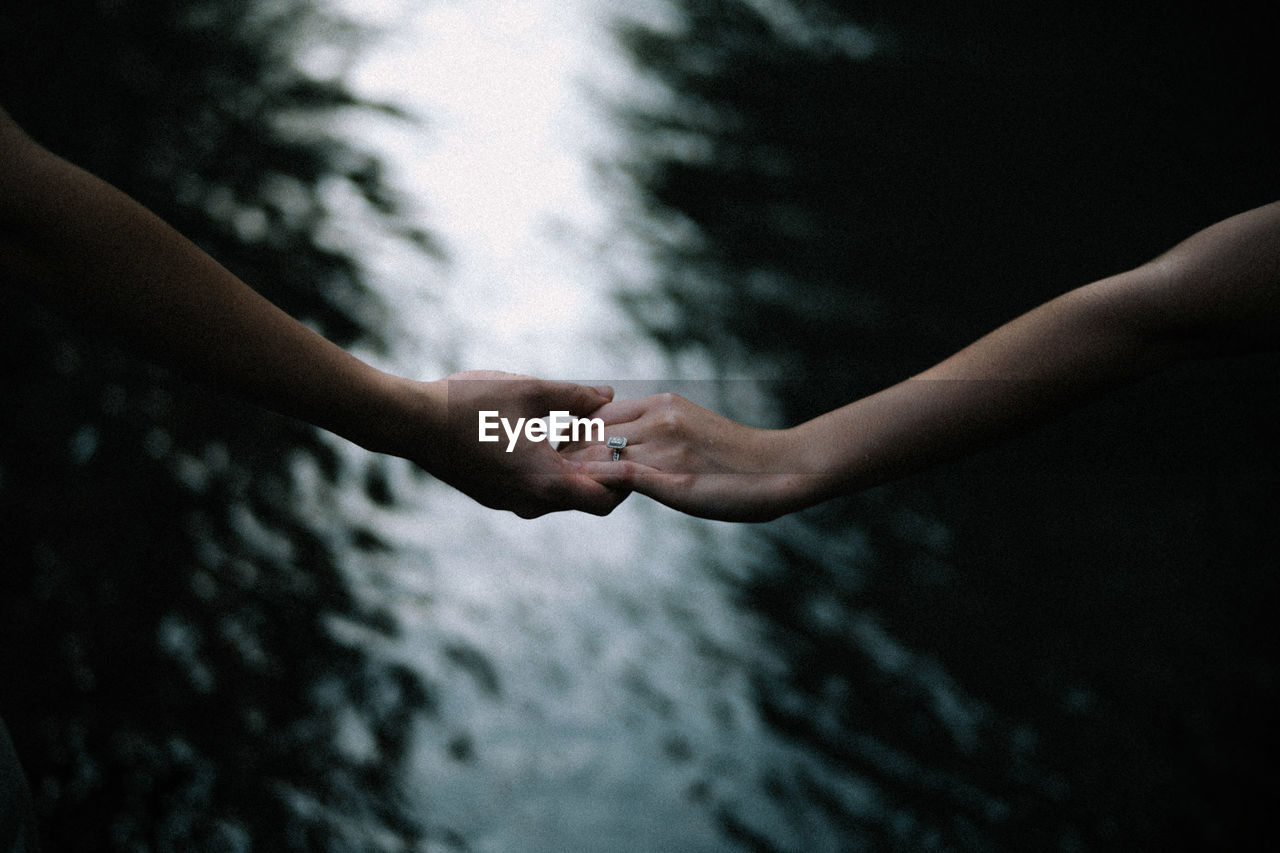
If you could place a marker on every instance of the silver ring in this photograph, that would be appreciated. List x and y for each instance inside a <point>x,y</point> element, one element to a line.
<point>616,443</point>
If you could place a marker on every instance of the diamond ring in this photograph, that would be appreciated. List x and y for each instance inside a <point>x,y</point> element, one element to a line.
<point>616,443</point>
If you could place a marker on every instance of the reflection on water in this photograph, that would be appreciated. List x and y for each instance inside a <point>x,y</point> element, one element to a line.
<point>1010,653</point>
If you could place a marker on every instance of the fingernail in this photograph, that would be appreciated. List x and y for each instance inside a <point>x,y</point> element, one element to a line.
<point>604,391</point>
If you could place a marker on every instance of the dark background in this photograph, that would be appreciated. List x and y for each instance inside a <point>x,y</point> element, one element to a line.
<point>170,676</point>
<point>1099,593</point>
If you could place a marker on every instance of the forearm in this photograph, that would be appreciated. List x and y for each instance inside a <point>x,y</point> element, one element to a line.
<point>1034,367</point>
<point>1217,292</point>
<point>104,259</point>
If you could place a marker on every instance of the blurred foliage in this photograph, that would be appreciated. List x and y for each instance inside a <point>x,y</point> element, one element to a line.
<point>1059,643</point>
<point>172,676</point>
<point>899,178</point>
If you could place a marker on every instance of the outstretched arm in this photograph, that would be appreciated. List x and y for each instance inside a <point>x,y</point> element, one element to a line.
<point>82,245</point>
<point>1218,292</point>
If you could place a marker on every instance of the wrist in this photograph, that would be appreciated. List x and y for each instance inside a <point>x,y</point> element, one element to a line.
<point>792,477</point>
<point>821,458</point>
<point>401,417</point>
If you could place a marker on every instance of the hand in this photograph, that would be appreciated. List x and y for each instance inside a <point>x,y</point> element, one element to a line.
<point>442,436</point>
<point>698,462</point>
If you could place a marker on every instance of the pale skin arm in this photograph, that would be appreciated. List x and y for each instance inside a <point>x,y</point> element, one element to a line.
<point>1218,292</point>
<point>87,249</point>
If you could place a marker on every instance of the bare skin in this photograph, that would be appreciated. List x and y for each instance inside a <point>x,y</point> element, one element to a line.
<point>83,246</point>
<point>1218,292</point>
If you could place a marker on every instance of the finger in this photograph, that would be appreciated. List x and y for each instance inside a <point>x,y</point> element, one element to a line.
<point>660,485</point>
<point>572,397</point>
<point>591,445</point>
<point>624,411</point>
<point>571,492</point>
<point>585,494</point>
<point>585,451</point>
<point>687,493</point>
<point>616,424</point>
<point>617,475</point>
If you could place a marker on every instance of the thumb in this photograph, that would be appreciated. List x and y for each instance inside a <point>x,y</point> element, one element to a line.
<point>575,489</point>
<point>632,476</point>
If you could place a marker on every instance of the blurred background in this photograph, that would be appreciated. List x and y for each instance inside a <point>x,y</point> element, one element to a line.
<point>225,631</point>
